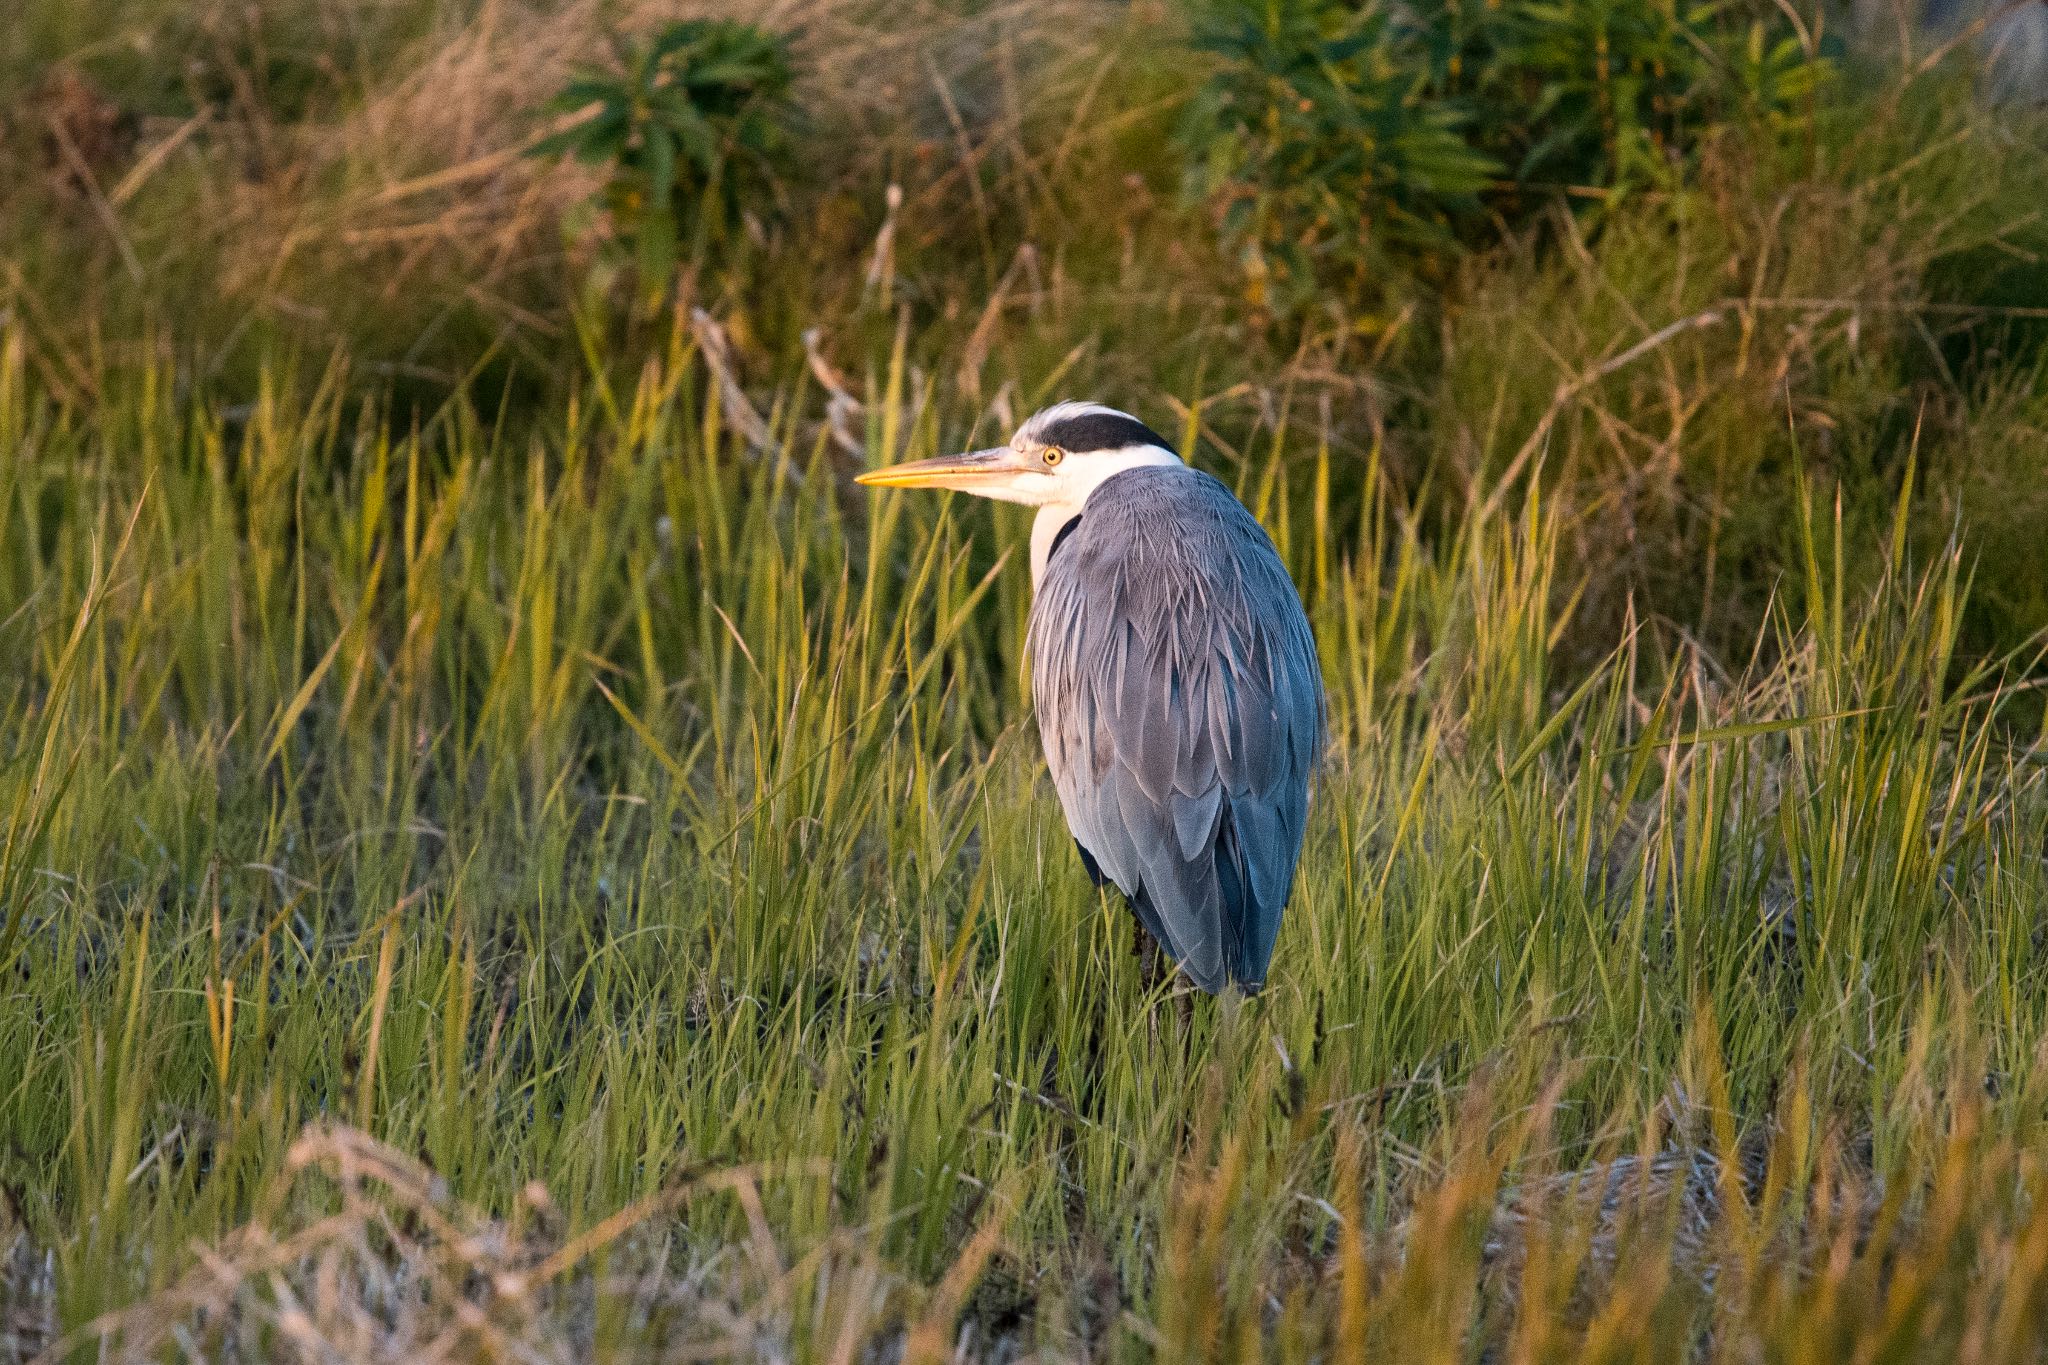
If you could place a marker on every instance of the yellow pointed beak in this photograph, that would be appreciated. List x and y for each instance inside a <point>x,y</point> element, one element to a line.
<point>961,472</point>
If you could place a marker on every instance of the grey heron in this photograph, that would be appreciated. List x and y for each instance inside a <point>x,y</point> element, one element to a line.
<point>1179,699</point>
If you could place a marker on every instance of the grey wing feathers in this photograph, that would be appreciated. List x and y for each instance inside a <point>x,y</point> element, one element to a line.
<point>1181,709</point>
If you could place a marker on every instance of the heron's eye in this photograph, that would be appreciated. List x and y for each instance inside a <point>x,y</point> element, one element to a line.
<point>1053,455</point>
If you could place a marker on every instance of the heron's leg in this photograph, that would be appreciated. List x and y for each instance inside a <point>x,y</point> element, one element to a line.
<point>1154,965</point>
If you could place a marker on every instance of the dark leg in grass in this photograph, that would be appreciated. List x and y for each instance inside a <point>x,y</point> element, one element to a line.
<point>1153,964</point>
<point>1155,967</point>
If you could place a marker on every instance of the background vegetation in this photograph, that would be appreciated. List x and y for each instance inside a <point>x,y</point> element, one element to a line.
<point>505,851</point>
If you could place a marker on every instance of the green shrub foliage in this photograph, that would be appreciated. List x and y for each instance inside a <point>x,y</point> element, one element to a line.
<point>1333,135</point>
<point>693,126</point>
<point>1321,140</point>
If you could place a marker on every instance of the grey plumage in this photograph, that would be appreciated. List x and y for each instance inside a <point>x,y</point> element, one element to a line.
<point>1181,708</point>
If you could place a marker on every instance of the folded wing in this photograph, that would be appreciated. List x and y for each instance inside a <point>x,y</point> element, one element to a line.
<point>1181,708</point>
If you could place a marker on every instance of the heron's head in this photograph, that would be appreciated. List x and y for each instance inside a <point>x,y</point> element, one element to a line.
<point>1057,458</point>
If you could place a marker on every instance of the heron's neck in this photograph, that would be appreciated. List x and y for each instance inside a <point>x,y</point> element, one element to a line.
<point>1045,529</point>
<point>1101,467</point>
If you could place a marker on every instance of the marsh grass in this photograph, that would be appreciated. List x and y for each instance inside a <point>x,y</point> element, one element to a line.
<point>594,890</point>
<point>505,852</point>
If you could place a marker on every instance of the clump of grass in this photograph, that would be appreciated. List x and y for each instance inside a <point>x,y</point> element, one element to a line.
<point>1790,1244</point>
<point>1001,189</point>
<point>624,803</point>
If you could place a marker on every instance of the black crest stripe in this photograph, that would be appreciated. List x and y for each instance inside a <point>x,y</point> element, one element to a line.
<point>1100,431</point>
